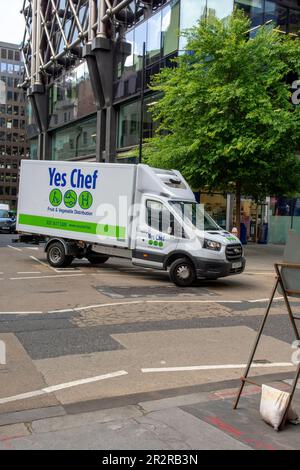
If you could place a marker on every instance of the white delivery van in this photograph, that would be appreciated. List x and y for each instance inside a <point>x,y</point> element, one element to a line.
<point>4,207</point>
<point>97,211</point>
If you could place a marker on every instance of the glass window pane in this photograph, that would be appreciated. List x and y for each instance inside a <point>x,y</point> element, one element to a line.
<point>128,66</point>
<point>33,146</point>
<point>191,11</point>
<point>219,9</point>
<point>129,125</point>
<point>170,28</point>
<point>154,37</point>
<point>2,92</point>
<point>71,96</point>
<point>254,9</point>
<point>75,141</point>
<point>294,21</point>
<point>277,14</point>
<point>140,36</point>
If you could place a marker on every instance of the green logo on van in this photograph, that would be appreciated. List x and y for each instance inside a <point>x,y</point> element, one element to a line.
<point>85,200</point>
<point>55,197</point>
<point>70,199</point>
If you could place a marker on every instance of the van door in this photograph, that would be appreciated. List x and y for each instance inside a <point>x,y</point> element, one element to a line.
<point>155,235</point>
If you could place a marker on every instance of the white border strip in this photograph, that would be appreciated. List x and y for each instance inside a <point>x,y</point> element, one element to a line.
<point>62,386</point>
<point>216,367</point>
<point>45,277</point>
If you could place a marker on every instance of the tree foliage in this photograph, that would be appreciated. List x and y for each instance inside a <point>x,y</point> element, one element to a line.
<point>226,116</point>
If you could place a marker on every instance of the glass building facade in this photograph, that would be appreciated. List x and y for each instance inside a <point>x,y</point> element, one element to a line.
<point>74,122</point>
<point>13,145</point>
<point>158,26</point>
<point>161,34</point>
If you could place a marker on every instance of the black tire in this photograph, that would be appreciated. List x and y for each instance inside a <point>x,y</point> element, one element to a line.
<point>97,259</point>
<point>56,256</point>
<point>182,272</point>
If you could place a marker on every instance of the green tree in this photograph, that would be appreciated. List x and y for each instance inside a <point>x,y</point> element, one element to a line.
<point>226,117</point>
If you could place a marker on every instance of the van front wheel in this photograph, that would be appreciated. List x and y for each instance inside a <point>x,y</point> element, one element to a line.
<point>182,272</point>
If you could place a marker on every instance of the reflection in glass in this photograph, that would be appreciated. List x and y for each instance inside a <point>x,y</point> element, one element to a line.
<point>191,11</point>
<point>170,28</point>
<point>254,9</point>
<point>75,141</point>
<point>294,21</point>
<point>277,14</point>
<point>128,66</point>
<point>129,122</point>
<point>154,37</point>
<point>71,96</point>
<point>33,148</point>
<point>140,36</point>
<point>220,10</point>
<point>129,117</point>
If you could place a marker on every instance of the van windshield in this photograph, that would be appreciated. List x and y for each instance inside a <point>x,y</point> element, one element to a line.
<point>192,213</point>
<point>4,214</point>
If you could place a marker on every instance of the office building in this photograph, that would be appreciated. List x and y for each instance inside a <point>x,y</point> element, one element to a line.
<point>12,122</point>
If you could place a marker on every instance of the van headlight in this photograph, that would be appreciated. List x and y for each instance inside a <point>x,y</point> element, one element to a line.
<point>212,245</point>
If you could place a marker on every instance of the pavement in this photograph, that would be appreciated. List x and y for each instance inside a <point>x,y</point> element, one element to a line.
<point>117,357</point>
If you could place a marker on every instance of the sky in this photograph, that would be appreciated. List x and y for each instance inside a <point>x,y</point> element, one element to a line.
<point>12,23</point>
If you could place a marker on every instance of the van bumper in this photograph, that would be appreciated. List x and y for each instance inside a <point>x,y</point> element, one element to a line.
<point>212,269</point>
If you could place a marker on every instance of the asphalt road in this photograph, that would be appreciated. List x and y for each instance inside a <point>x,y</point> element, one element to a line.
<point>103,332</point>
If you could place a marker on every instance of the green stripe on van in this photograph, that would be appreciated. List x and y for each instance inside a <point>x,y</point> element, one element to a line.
<point>91,228</point>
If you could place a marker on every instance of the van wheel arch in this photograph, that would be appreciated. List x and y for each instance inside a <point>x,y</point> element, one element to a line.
<point>175,256</point>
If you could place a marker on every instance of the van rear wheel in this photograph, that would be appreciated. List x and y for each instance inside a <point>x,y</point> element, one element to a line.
<point>182,272</point>
<point>57,257</point>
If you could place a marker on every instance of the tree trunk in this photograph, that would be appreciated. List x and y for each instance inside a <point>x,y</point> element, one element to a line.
<point>238,196</point>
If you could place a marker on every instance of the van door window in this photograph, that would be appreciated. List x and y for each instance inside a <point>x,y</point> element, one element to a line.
<point>159,217</point>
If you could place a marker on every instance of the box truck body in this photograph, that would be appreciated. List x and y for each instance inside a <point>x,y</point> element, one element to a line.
<point>148,215</point>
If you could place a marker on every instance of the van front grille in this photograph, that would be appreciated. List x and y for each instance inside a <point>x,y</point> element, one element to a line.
<point>234,252</point>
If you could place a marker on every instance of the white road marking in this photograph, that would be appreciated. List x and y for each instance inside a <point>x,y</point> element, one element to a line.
<point>56,270</point>
<point>214,367</point>
<point>40,262</point>
<point>21,313</point>
<point>60,270</point>
<point>62,386</point>
<point>45,277</point>
<point>14,248</point>
<point>268,273</point>
<point>105,275</point>
<point>68,270</point>
<point>29,272</point>
<point>90,307</point>
<point>33,248</point>
<point>263,300</point>
<point>195,301</point>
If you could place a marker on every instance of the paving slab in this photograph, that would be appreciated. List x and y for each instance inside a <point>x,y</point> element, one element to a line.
<point>246,425</point>
<point>20,376</point>
<point>172,429</point>
<point>75,421</point>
